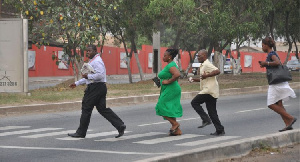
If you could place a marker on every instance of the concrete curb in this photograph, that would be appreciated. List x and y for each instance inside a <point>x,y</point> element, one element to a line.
<point>232,149</point>
<point>67,106</point>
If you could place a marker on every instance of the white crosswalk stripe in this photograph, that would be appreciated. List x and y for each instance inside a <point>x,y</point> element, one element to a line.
<point>27,131</point>
<point>48,134</point>
<point>154,138</point>
<point>205,141</point>
<point>130,137</point>
<point>13,127</point>
<point>167,139</point>
<point>91,135</point>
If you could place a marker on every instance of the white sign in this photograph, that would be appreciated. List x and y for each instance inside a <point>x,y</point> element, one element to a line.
<point>150,60</point>
<point>123,60</point>
<point>63,60</point>
<point>31,60</point>
<point>248,61</point>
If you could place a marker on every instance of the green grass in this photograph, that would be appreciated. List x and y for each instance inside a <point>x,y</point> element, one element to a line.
<point>62,93</point>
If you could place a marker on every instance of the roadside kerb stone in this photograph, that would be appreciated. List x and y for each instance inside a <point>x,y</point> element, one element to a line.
<point>232,149</point>
<point>66,106</point>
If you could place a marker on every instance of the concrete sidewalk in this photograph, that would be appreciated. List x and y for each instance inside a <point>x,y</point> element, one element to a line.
<point>233,149</point>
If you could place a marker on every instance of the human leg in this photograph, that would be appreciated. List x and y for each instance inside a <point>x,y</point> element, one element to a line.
<point>286,117</point>
<point>86,112</point>
<point>213,114</point>
<point>175,126</point>
<point>196,104</point>
<point>108,114</point>
<point>279,108</point>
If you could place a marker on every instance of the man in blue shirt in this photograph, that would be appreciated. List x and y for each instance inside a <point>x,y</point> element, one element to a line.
<point>95,95</point>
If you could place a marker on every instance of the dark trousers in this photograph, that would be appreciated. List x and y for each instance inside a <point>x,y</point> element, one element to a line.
<point>211,109</point>
<point>95,95</point>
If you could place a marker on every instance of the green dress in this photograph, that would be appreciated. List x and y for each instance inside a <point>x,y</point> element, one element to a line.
<point>169,100</point>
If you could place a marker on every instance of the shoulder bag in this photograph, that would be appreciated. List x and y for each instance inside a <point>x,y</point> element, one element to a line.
<point>278,74</point>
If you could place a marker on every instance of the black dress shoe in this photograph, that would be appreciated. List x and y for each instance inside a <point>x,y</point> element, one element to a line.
<point>204,123</point>
<point>75,135</point>
<point>218,133</point>
<point>121,131</point>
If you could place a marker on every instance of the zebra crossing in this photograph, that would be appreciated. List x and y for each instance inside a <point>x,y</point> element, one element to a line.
<point>26,132</point>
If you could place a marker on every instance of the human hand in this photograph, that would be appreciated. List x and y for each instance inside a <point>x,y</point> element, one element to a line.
<point>85,76</point>
<point>191,80</point>
<point>165,82</point>
<point>72,85</point>
<point>203,76</point>
<point>261,63</point>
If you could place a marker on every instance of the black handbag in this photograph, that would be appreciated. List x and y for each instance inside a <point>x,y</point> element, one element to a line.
<point>278,74</point>
<point>156,80</point>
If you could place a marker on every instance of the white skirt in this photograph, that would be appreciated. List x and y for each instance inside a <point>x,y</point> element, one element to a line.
<point>280,91</point>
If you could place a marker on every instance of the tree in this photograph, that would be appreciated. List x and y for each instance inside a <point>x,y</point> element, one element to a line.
<point>126,21</point>
<point>232,20</point>
<point>73,23</point>
<point>174,17</point>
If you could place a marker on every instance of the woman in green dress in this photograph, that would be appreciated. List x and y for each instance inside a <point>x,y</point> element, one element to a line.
<point>168,105</point>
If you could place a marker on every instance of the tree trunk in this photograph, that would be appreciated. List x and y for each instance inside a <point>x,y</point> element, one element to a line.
<point>236,65</point>
<point>129,69</point>
<point>295,43</point>
<point>272,15</point>
<point>287,36</point>
<point>133,49</point>
<point>218,61</point>
<point>179,61</point>
<point>177,39</point>
<point>128,58</point>
<point>190,64</point>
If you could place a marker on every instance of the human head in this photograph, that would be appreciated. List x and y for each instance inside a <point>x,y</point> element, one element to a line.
<point>202,55</point>
<point>91,51</point>
<point>170,54</point>
<point>267,44</point>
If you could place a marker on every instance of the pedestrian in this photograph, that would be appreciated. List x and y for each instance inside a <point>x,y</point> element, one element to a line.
<point>277,93</point>
<point>209,93</point>
<point>95,95</point>
<point>168,105</point>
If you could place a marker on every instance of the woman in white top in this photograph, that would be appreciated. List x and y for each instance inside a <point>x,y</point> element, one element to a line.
<point>277,92</point>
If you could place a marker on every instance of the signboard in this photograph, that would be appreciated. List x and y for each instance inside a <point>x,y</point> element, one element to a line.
<point>248,61</point>
<point>63,60</point>
<point>13,55</point>
<point>123,60</point>
<point>150,60</point>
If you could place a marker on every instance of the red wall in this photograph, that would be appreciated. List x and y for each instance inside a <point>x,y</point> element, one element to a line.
<point>45,66</point>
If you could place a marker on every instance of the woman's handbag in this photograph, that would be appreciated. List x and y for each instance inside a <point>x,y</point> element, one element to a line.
<point>278,74</point>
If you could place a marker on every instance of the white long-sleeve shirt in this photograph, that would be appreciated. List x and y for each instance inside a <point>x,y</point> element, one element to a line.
<point>100,72</point>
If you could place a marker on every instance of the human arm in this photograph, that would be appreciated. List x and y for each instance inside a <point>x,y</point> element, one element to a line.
<point>275,62</point>
<point>175,75</point>
<point>211,74</point>
<point>99,71</point>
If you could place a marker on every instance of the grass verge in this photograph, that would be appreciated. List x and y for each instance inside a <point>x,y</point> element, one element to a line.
<point>62,93</point>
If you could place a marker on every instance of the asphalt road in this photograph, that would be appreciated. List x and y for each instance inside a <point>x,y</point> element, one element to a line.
<point>44,137</point>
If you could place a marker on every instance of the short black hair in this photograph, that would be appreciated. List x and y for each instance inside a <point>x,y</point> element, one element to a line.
<point>94,47</point>
<point>172,52</point>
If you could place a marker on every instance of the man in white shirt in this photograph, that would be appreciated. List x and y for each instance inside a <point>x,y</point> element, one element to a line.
<point>95,95</point>
<point>209,93</point>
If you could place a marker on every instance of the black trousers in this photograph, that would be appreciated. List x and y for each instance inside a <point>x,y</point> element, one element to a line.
<point>211,109</point>
<point>95,95</point>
